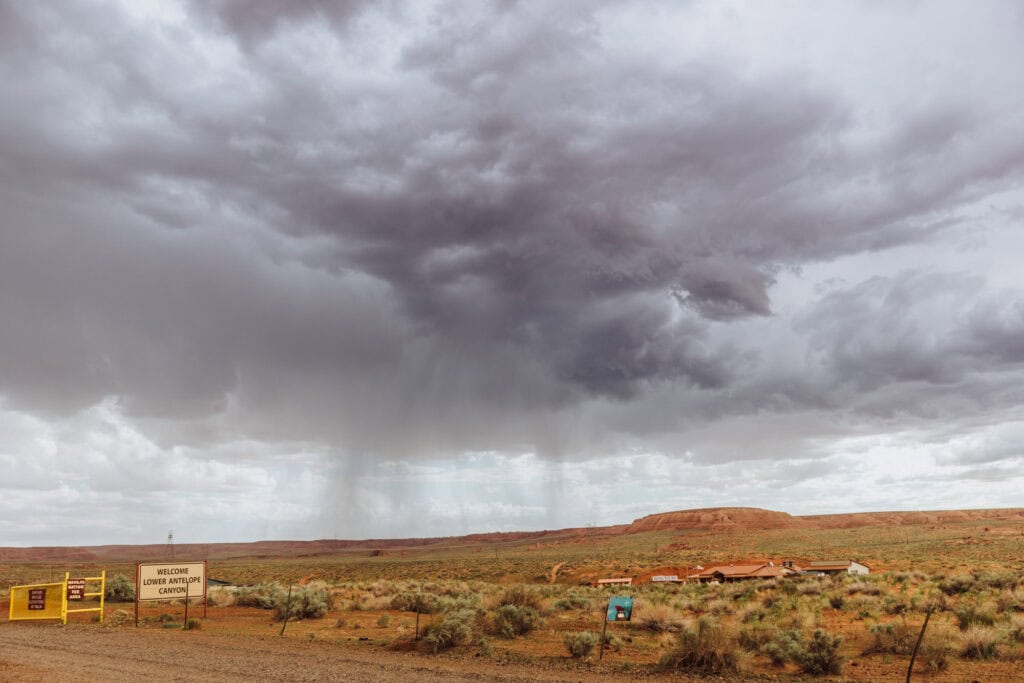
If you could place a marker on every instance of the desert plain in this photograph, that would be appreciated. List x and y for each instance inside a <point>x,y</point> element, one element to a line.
<point>524,606</point>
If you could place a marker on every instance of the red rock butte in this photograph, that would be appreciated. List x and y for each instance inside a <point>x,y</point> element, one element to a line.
<point>716,519</point>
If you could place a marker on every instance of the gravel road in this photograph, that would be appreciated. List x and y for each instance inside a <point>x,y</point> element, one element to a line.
<point>73,653</point>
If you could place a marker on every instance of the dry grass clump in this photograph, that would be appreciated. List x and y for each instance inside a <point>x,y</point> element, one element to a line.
<point>119,588</point>
<point>936,648</point>
<point>896,638</point>
<point>755,636</point>
<point>865,606</point>
<point>957,584</point>
<point>1010,601</point>
<point>707,648</point>
<point>520,596</point>
<point>1017,628</point>
<point>691,605</point>
<point>221,596</point>
<point>743,590</point>
<point>862,587</point>
<point>979,642</point>
<point>658,618</point>
<point>263,595</point>
<point>455,628</point>
<point>810,587</point>
<point>905,577</point>
<point>781,646</point>
<point>751,613</point>
<point>720,608</point>
<point>975,615</point>
<point>311,601</point>
<point>580,644</point>
<point>820,655</point>
<point>835,600</point>
<point>895,606</point>
<point>816,656</point>
<point>423,603</point>
<point>510,621</point>
<point>997,580</point>
<point>572,601</point>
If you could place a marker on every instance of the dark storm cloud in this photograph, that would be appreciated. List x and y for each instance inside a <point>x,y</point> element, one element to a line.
<point>255,20</point>
<point>268,214</point>
<point>916,327</point>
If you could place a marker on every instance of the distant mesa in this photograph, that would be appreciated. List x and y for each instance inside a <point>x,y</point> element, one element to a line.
<point>719,519</point>
<point>753,519</point>
<point>716,519</point>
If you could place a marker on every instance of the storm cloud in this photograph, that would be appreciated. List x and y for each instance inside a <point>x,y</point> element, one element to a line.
<point>350,235</point>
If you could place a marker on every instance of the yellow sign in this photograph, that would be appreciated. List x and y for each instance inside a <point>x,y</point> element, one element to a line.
<point>75,589</point>
<point>50,600</point>
<point>38,601</point>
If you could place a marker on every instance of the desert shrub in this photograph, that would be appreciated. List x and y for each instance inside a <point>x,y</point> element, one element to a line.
<point>894,638</point>
<point>781,646</point>
<point>836,601</point>
<point>520,596</point>
<point>193,625</point>
<point>688,605</point>
<point>751,614</point>
<point>455,628</point>
<point>383,620</point>
<point>612,642</point>
<point>996,580</point>
<point>657,618</point>
<point>957,585</point>
<point>581,644</point>
<point>974,615</point>
<point>820,656</point>
<point>979,642</point>
<point>739,591</point>
<point>119,588</point>
<point>1017,628</point>
<point>1010,601</point>
<point>452,603</point>
<point>263,596</point>
<point>719,608</point>
<point>936,648</point>
<point>864,588</point>
<point>707,648</point>
<point>798,618</point>
<point>809,587</point>
<point>755,636</point>
<point>894,606</point>
<point>514,620</point>
<point>424,603</point>
<point>865,606</point>
<point>311,601</point>
<point>572,601</point>
<point>220,597</point>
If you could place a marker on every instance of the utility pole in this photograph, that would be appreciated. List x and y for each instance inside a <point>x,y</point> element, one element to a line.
<point>170,543</point>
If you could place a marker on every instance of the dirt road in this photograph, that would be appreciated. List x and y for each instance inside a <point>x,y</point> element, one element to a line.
<point>73,653</point>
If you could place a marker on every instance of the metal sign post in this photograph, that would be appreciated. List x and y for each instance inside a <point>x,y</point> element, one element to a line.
<point>170,581</point>
<point>74,589</point>
<point>620,608</point>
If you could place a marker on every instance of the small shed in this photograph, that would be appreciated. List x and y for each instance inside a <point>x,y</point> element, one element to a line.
<point>616,581</point>
<point>838,567</point>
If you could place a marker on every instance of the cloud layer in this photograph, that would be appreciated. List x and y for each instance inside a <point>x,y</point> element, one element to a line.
<point>315,238</point>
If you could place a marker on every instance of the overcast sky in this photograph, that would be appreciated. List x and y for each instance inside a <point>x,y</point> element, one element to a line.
<point>276,269</point>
